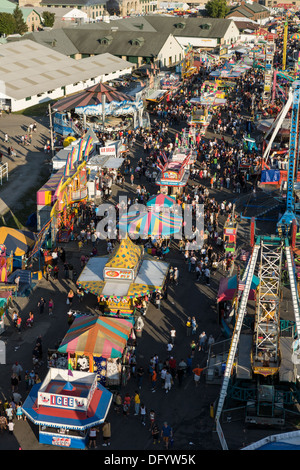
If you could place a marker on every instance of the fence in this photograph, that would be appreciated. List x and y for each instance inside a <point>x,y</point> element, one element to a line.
<point>3,172</point>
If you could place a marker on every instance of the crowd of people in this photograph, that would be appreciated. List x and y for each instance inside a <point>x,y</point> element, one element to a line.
<point>214,178</point>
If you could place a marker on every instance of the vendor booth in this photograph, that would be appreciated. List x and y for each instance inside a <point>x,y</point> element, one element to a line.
<point>65,406</point>
<point>227,300</point>
<point>230,234</point>
<point>175,173</point>
<point>100,344</point>
<point>123,278</point>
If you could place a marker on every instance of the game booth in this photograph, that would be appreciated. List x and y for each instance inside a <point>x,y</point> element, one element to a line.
<point>175,172</point>
<point>100,344</point>
<point>123,278</point>
<point>66,405</point>
<point>230,234</point>
<point>227,300</point>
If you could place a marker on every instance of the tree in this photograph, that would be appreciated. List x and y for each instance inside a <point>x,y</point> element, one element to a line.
<point>21,26</point>
<point>48,19</point>
<point>217,8</point>
<point>7,24</point>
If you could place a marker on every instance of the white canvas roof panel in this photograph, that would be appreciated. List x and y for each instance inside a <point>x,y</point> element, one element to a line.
<point>93,271</point>
<point>152,273</point>
<point>119,289</point>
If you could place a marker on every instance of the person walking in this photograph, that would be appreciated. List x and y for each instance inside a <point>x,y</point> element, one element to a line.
<point>70,297</point>
<point>11,426</point>
<point>197,374</point>
<point>137,403</point>
<point>202,341</point>
<point>3,423</point>
<point>173,335</point>
<point>92,437</point>
<point>17,369</point>
<point>168,381</point>
<point>176,276</point>
<point>106,433</point>
<point>155,434</point>
<point>41,305</point>
<point>153,381</point>
<point>188,326</point>
<point>50,306</point>
<point>166,434</point>
<point>143,414</point>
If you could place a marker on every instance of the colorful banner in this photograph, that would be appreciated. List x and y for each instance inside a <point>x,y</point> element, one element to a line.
<point>40,238</point>
<point>88,147</point>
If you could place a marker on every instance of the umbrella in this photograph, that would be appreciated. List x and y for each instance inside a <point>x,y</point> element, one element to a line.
<point>228,288</point>
<point>295,36</point>
<point>91,96</point>
<point>98,336</point>
<point>161,200</point>
<point>16,241</point>
<point>155,224</point>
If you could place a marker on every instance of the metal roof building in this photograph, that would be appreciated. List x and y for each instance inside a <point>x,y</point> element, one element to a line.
<point>32,73</point>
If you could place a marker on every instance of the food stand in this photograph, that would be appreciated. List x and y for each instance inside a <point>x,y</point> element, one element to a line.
<point>123,277</point>
<point>100,344</point>
<point>65,406</point>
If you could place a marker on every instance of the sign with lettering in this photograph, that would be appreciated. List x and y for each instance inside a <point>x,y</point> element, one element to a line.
<point>61,441</point>
<point>118,274</point>
<point>108,151</point>
<point>62,401</point>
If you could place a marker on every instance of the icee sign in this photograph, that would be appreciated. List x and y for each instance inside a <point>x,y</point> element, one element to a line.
<point>62,401</point>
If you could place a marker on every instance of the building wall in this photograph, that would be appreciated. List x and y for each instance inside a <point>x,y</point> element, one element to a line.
<point>34,3</point>
<point>33,21</point>
<point>18,105</point>
<point>171,52</point>
<point>232,34</point>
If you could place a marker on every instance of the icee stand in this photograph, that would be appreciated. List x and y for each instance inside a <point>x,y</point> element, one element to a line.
<point>66,405</point>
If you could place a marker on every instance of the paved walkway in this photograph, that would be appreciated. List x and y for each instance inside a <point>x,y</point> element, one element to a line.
<point>26,168</point>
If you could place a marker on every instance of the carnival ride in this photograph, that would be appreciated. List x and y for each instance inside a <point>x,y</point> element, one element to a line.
<point>266,361</point>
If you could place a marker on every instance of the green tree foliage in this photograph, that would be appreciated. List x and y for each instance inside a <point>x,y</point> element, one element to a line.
<point>21,26</point>
<point>48,19</point>
<point>217,8</point>
<point>7,23</point>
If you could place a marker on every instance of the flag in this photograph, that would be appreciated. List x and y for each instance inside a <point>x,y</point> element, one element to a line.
<point>159,165</point>
<point>70,367</point>
<point>88,146</point>
<point>244,255</point>
<point>40,238</point>
<point>164,156</point>
<point>58,187</point>
<point>68,165</point>
<point>185,161</point>
<point>73,158</point>
<point>80,150</point>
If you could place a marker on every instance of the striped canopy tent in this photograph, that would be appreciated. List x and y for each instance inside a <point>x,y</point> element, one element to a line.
<point>92,96</point>
<point>161,200</point>
<point>228,288</point>
<point>97,336</point>
<point>16,241</point>
<point>155,224</point>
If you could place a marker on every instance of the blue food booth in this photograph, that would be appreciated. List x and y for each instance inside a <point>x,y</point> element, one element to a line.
<point>66,405</point>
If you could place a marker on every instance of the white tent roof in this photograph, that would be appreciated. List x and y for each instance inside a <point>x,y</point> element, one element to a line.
<point>75,13</point>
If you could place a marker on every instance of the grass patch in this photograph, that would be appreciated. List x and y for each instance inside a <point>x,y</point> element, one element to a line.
<point>40,109</point>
